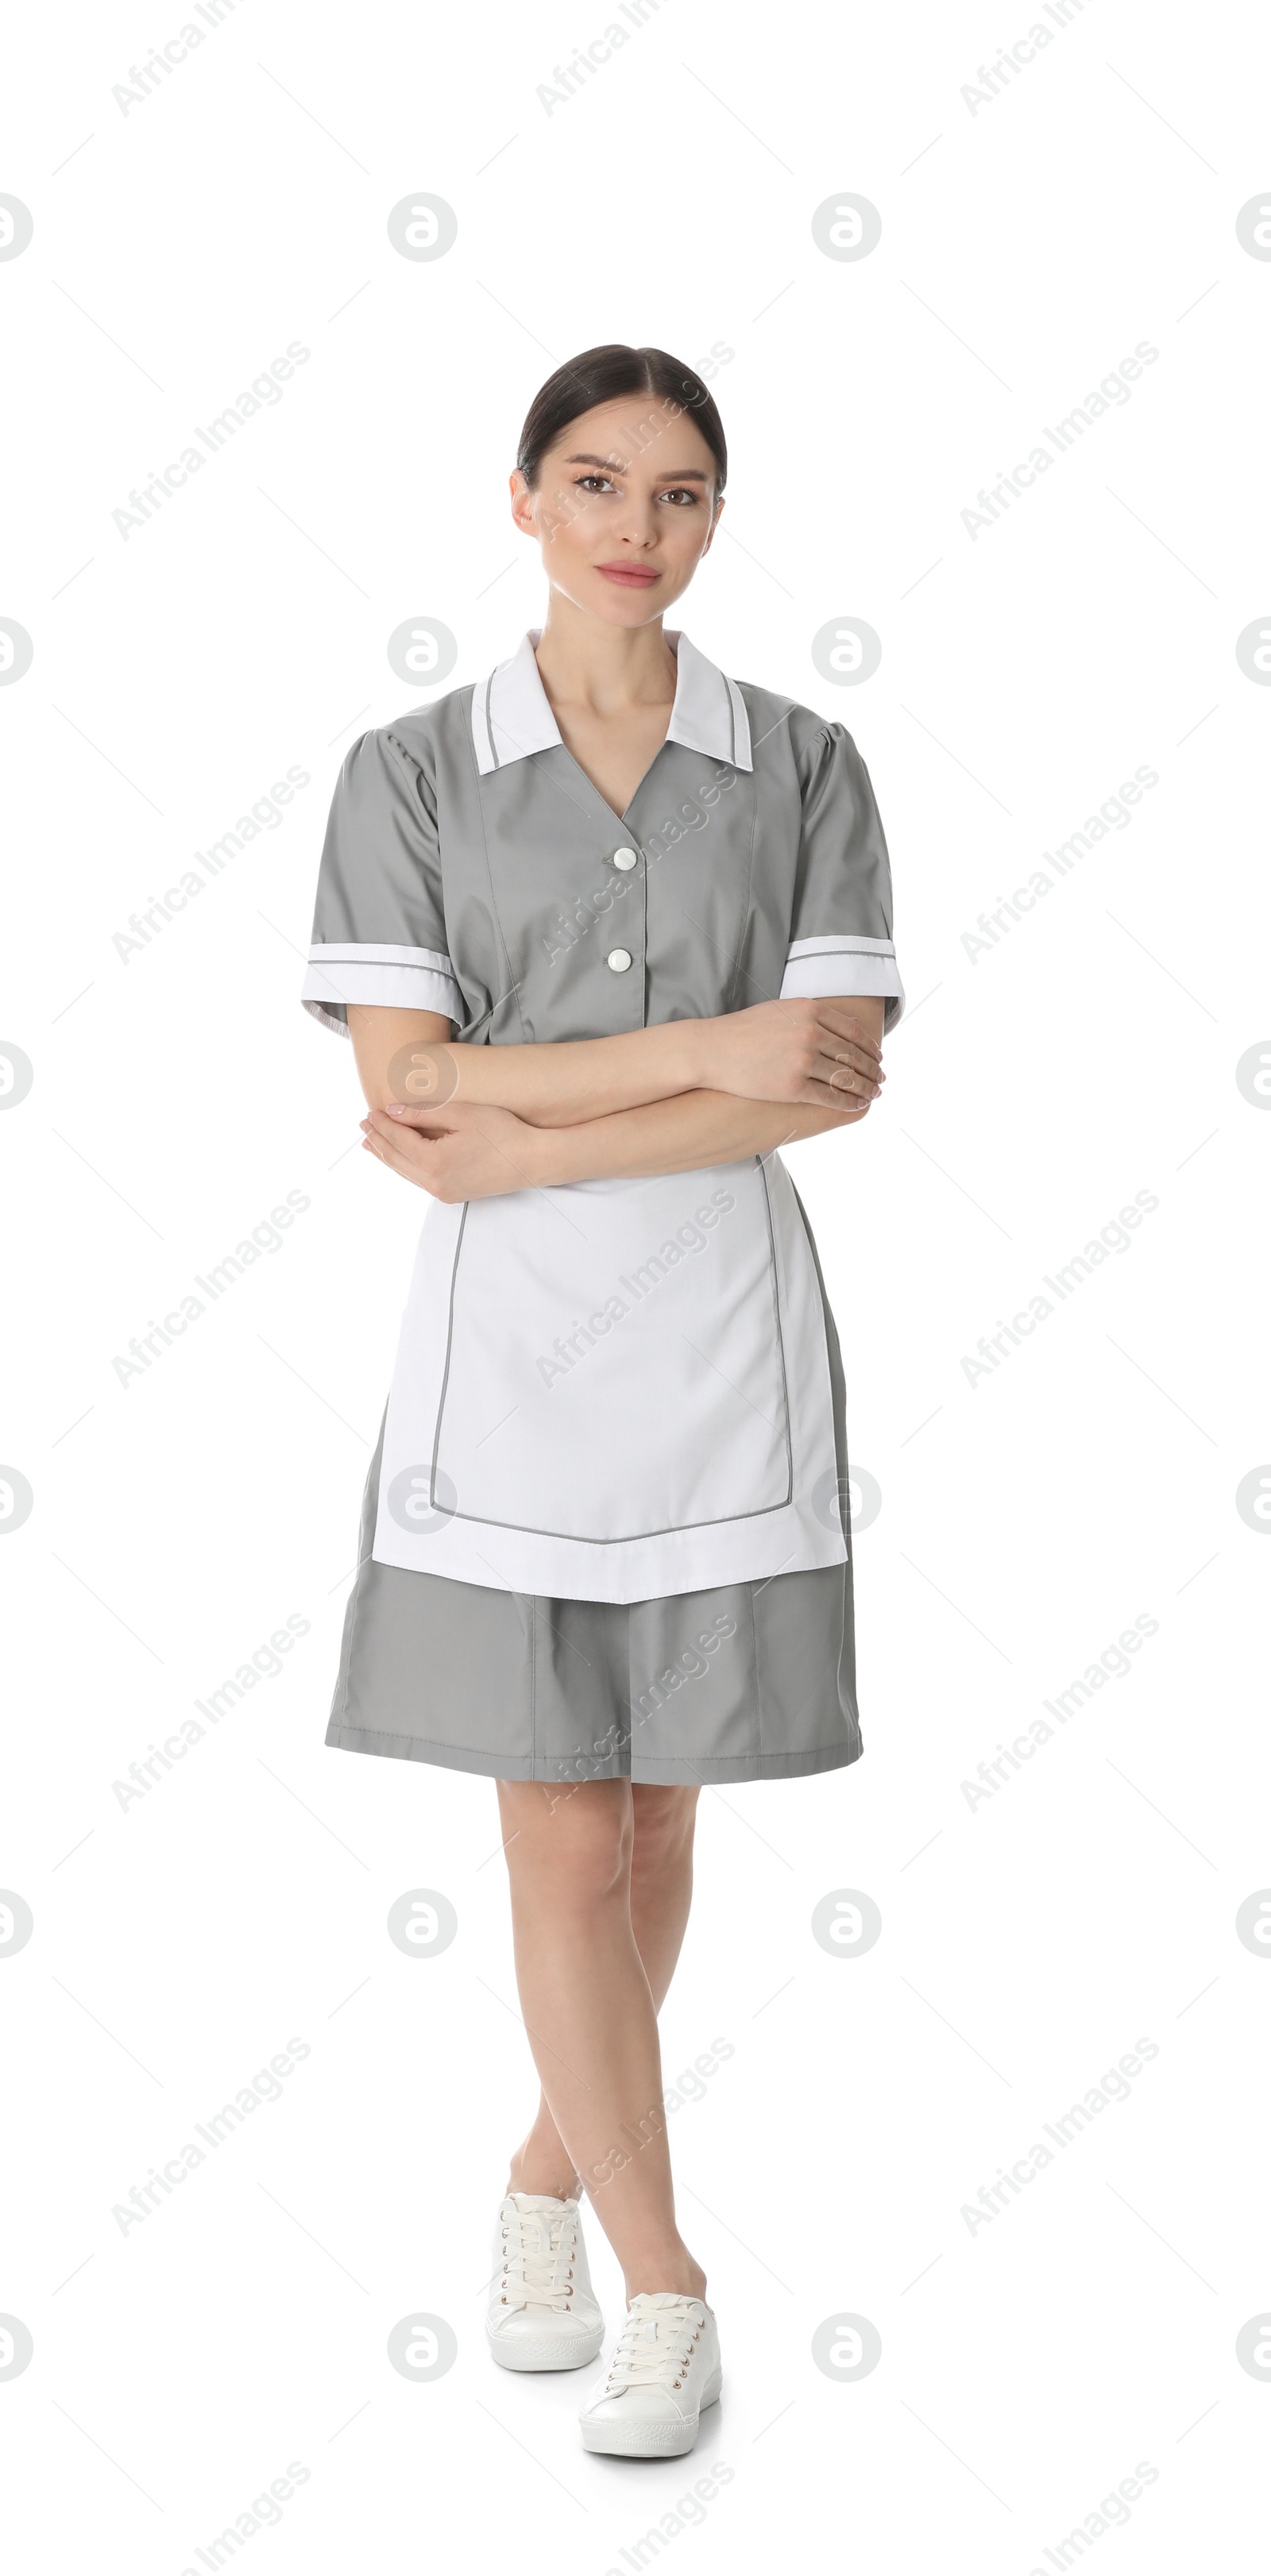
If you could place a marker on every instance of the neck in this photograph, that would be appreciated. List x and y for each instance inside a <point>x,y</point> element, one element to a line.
<point>584,662</point>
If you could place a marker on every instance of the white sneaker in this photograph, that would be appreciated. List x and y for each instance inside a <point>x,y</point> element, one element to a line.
<point>542,2313</point>
<point>665,2369</point>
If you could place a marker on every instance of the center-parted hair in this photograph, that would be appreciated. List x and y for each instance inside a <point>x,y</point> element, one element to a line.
<point>604,375</point>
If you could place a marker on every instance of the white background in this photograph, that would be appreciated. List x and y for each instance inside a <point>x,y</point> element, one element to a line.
<point>1028,244</point>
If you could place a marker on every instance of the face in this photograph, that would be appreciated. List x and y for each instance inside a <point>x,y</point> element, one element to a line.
<point>624,509</point>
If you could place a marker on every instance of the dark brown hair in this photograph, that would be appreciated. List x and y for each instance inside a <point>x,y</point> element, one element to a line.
<point>604,375</point>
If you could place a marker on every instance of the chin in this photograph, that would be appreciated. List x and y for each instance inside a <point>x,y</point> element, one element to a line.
<point>619,607</point>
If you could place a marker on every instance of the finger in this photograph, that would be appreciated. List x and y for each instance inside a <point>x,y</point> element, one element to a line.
<point>425,1127</point>
<point>496,1129</point>
<point>818,1095</point>
<point>412,1165</point>
<point>421,1176</point>
<point>414,1113</point>
<point>854,1059</point>
<point>842,1075</point>
<point>372,1145</point>
<point>843,1023</point>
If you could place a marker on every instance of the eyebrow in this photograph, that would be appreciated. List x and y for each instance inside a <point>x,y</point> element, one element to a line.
<point>610,465</point>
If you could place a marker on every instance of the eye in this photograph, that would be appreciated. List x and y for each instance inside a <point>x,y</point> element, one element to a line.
<point>678,493</point>
<point>585,482</point>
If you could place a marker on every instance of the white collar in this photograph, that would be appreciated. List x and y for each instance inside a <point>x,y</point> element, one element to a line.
<point>511,715</point>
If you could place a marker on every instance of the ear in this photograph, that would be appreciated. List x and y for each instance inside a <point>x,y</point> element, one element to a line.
<point>522,502</point>
<point>714,524</point>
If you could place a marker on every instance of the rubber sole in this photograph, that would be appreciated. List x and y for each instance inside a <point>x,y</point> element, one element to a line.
<point>646,2441</point>
<point>545,2352</point>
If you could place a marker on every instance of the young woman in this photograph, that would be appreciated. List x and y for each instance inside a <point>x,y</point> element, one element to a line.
<point>607,930</point>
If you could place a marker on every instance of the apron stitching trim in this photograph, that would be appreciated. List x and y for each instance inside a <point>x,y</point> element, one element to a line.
<point>829,1327</point>
<point>445,1375</point>
<point>776,1317</point>
<point>571,1538</point>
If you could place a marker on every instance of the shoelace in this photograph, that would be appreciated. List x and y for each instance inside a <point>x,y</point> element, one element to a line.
<point>653,2348</point>
<point>536,2243</point>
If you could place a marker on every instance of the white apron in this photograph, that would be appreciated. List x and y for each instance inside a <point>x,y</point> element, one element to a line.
<point>613,1390</point>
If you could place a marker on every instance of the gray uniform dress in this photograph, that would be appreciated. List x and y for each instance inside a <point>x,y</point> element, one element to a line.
<point>605,1532</point>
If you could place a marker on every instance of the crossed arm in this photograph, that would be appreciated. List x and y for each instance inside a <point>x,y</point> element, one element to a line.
<point>468,1122</point>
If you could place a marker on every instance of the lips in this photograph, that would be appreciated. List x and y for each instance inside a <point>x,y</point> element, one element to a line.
<point>629,576</point>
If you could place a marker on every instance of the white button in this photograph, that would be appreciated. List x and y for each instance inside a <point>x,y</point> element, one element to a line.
<point>619,959</point>
<point>624,858</point>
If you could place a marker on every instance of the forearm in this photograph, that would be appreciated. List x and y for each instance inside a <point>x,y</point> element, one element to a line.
<point>575,1079</point>
<point>807,1052</point>
<point>411,1056</point>
<point>689,1133</point>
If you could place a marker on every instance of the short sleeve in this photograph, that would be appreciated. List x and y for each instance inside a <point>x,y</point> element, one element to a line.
<point>379,931</point>
<point>841,929</point>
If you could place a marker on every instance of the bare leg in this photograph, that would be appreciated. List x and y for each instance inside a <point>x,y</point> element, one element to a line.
<point>601,1881</point>
<point>661,1894</point>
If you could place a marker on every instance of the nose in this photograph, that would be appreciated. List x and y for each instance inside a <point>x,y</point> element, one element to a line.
<point>636,526</point>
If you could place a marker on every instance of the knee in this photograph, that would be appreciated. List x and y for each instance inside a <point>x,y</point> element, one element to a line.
<point>576,1844</point>
<point>663,1821</point>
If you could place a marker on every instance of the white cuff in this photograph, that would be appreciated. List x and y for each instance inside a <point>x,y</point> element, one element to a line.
<point>394,978</point>
<point>844,963</point>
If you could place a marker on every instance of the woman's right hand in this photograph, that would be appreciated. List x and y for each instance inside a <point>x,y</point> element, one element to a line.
<point>817,1052</point>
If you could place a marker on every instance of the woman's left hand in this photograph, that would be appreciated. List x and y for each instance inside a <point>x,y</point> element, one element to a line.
<point>456,1152</point>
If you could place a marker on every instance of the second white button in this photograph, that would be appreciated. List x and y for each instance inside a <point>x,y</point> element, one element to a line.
<point>619,959</point>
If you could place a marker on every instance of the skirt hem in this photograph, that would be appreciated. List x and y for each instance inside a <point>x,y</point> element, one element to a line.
<point>656,1772</point>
